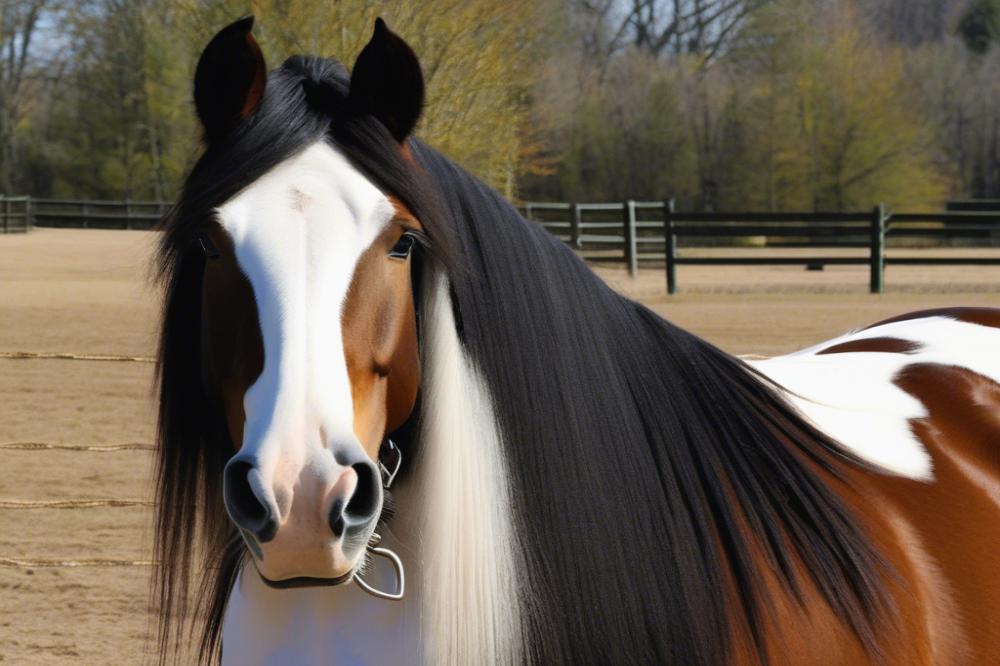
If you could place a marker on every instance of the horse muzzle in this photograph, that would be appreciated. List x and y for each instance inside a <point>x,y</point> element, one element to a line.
<point>307,526</point>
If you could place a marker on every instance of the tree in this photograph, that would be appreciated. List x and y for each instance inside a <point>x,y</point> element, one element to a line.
<point>480,61</point>
<point>19,23</point>
<point>623,138</point>
<point>120,123</point>
<point>658,27</point>
<point>913,22</point>
<point>851,135</point>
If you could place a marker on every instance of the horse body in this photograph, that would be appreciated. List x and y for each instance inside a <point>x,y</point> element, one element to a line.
<point>583,482</point>
<point>918,396</point>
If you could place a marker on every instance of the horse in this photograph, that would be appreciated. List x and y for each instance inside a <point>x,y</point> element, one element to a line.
<point>399,423</point>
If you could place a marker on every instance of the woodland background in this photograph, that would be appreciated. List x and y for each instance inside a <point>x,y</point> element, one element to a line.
<point>722,104</point>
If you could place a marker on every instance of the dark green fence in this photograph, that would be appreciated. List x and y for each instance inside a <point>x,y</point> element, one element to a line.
<point>638,231</point>
<point>15,214</point>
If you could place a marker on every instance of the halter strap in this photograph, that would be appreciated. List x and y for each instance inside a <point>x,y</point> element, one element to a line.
<point>390,459</point>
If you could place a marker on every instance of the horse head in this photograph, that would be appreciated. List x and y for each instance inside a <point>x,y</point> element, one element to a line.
<point>308,325</point>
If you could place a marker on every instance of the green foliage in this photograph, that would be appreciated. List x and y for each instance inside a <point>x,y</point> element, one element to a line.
<point>829,121</point>
<point>121,125</point>
<point>804,111</point>
<point>979,26</point>
<point>787,104</point>
<point>626,136</point>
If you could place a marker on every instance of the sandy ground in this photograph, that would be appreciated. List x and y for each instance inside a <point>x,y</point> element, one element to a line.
<point>88,292</point>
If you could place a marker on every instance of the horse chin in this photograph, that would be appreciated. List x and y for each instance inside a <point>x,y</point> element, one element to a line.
<point>330,566</point>
<point>307,581</point>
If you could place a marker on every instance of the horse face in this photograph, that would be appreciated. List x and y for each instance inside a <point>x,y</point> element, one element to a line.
<point>309,336</point>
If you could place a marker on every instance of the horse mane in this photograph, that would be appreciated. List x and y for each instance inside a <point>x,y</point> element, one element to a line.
<point>649,465</point>
<point>652,474</point>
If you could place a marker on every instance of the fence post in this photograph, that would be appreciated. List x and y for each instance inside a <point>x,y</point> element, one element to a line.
<point>29,219</point>
<point>128,215</point>
<point>574,225</point>
<point>670,245</point>
<point>628,221</point>
<point>877,258</point>
<point>527,211</point>
<point>3,200</point>
<point>84,213</point>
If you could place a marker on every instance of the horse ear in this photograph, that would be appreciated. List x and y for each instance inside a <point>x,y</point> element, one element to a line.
<point>229,80</point>
<point>387,82</point>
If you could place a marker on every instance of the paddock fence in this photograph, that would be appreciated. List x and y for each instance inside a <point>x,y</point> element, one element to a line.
<point>637,232</point>
<point>74,504</point>
<point>15,214</point>
<point>653,232</point>
<point>20,214</point>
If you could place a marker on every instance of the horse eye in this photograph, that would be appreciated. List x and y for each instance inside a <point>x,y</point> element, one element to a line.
<point>403,247</point>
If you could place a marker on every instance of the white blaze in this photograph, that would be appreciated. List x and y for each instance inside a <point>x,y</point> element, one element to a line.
<point>298,233</point>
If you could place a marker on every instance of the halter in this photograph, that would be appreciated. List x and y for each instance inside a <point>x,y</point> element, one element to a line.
<point>390,458</point>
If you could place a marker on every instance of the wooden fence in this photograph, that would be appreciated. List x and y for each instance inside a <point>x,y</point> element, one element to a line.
<point>636,231</point>
<point>15,214</point>
<point>19,214</point>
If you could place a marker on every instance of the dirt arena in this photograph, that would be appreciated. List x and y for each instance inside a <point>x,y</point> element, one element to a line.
<point>88,292</point>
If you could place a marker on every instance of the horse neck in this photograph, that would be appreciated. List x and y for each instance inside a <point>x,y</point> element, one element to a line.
<point>321,624</point>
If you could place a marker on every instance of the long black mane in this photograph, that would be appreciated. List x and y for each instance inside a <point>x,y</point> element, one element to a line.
<point>651,465</point>
<point>654,473</point>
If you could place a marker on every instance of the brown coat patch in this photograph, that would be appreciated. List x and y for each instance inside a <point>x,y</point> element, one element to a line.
<point>951,524</point>
<point>380,342</point>
<point>231,344</point>
<point>981,316</point>
<point>890,345</point>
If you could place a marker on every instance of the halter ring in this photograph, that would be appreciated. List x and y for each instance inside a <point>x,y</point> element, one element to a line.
<point>397,566</point>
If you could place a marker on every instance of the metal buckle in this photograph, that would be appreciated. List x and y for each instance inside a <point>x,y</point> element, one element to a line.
<point>395,461</point>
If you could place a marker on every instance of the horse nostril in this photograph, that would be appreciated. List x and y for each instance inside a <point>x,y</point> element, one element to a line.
<point>246,509</point>
<point>365,500</point>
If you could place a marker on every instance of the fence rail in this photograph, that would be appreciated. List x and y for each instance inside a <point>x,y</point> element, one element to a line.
<point>638,231</point>
<point>15,214</point>
<point>20,214</point>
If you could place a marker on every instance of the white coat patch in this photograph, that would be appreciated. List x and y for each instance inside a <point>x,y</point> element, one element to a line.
<point>852,396</point>
<point>298,233</point>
